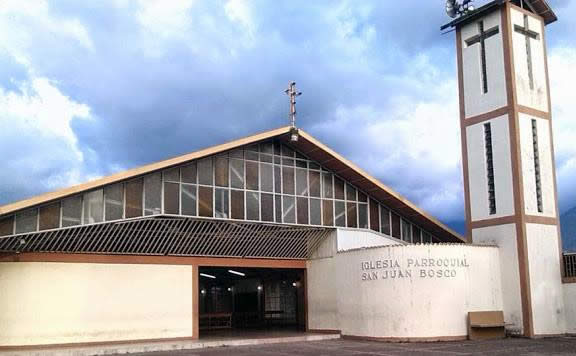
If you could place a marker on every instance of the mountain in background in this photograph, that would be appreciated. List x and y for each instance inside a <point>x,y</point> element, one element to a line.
<point>568,224</point>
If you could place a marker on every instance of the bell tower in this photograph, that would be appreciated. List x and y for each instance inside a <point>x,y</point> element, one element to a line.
<point>508,155</point>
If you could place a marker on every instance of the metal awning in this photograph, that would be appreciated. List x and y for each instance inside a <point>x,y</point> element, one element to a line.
<point>178,236</point>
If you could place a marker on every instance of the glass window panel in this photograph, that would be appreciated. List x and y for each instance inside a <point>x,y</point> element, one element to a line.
<point>288,210</point>
<point>363,216</point>
<point>252,175</point>
<point>277,179</point>
<point>350,193</point>
<point>189,197</point>
<point>206,171</point>
<point>205,200</point>
<point>338,188</point>
<point>221,171</point>
<point>300,155</point>
<point>134,198</point>
<point>327,212</point>
<point>267,147</point>
<point>362,197</point>
<point>252,206</point>
<point>221,202</point>
<point>328,191</point>
<point>49,217</point>
<point>395,226</point>
<point>302,211</point>
<point>239,153</point>
<point>172,198</point>
<point>288,180</point>
<point>93,207</point>
<point>313,165</point>
<point>114,202</point>
<point>340,213</point>
<point>27,221</point>
<point>189,173</point>
<point>374,216</point>
<point>251,152</point>
<point>301,164</point>
<point>288,162</point>
<point>278,208</point>
<point>277,148</point>
<point>315,212</point>
<point>266,158</point>
<point>266,177</point>
<point>237,173</point>
<point>237,204</point>
<point>267,207</point>
<point>302,182</point>
<point>384,220</point>
<point>351,214</point>
<point>72,211</point>
<point>7,226</point>
<point>152,194</point>
<point>277,160</point>
<point>172,175</point>
<point>426,237</point>
<point>314,183</point>
<point>287,151</point>
<point>416,238</point>
<point>406,231</point>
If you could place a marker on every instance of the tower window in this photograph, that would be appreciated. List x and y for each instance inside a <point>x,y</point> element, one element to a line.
<point>537,166</point>
<point>490,168</point>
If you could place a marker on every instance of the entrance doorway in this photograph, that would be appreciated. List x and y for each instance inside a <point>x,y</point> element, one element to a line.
<point>243,300</point>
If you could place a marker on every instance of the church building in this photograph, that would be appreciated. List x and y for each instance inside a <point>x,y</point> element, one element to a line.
<point>277,231</point>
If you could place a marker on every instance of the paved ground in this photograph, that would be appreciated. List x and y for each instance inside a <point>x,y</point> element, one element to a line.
<point>554,346</point>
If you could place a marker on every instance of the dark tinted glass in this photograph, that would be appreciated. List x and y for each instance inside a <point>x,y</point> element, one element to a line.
<point>205,198</point>
<point>172,198</point>
<point>134,198</point>
<point>267,207</point>
<point>50,216</point>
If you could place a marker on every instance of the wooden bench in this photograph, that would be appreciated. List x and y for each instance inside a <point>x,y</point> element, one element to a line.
<point>215,321</point>
<point>485,325</point>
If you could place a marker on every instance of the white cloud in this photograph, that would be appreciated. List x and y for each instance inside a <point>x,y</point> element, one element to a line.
<point>23,23</point>
<point>562,66</point>
<point>165,19</point>
<point>412,142</point>
<point>40,149</point>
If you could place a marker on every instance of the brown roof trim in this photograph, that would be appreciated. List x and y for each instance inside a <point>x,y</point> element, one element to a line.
<point>135,172</point>
<point>306,144</point>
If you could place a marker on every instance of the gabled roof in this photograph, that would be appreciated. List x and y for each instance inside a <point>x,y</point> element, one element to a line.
<point>539,7</point>
<point>306,144</point>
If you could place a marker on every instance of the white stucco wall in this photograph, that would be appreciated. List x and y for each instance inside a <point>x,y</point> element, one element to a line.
<point>349,239</point>
<point>411,306</point>
<point>476,102</point>
<point>59,303</point>
<point>570,307</point>
<point>545,279</point>
<point>536,98</point>
<point>504,236</point>
<point>546,166</point>
<point>478,180</point>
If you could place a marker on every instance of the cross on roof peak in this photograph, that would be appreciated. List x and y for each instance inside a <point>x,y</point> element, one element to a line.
<point>292,93</point>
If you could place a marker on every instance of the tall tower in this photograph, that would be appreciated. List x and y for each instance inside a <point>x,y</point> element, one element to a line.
<point>508,156</point>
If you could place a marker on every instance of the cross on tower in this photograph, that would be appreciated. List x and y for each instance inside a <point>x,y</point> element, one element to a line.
<point>528,34</point>
<point>292,93</point>
<point>481,38</point>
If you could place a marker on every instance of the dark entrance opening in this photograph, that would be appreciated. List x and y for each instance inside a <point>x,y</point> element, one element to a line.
<point>235,300</point>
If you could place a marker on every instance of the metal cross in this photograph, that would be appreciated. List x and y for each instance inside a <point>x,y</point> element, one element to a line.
<point>481,38</point>
<point>528,34</point>
<point>292,93</point>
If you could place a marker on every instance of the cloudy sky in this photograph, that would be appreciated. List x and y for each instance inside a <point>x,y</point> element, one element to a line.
<point>89,88</point>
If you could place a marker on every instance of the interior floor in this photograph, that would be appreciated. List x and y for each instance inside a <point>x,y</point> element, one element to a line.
<point>239,302</point>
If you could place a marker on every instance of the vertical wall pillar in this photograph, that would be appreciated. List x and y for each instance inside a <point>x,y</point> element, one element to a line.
<point>195,303</point>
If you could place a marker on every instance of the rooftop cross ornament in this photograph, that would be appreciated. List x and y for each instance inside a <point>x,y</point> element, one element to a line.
<point>529,34</point>
<point>292,93</point>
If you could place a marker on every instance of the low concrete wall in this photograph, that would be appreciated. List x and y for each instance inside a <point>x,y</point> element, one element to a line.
<point>60,303</point>
<point>570,307</point>
<point>404,292</point>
